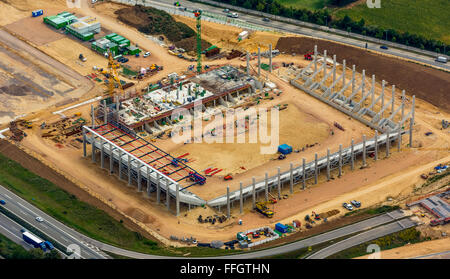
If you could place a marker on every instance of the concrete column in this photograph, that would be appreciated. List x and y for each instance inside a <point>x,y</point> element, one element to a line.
<point>316,170</point>
<point>270,58</point>
<point>158,188</point>
<point>92,117</point>
<point>259,61</point>
<point>84,143</point>
<point>241,199</point>
<point>304,173</point>
<point>139,177</point>
<point>253,192</point>
<point>328,164</point>
<point>93,148</point>
<point>399,139</point>
<point>340,160</point>
<point>248,63</point>
<point>102,154</point>
<point>111,159</point>
<point>148,181</point>
<point>228,203</point>
<point>393,98</point>
<point>353,78</point>
<point>343,72</point>
<point>266,186</point>
<point>279,183</point>
<point>334,68</point>
<point>120,164</point>
<point>325,61</point>
<point>117,108</point>
<point>388,143</point>
<point>352,155</point>
<point>129,170</point>
<point>383,85</point>
<point>364,151</point>
<point>315,58</point>
<point>167,194</point>
<point>403,103</point>
<point>105,112</point>
<point>376,145</point>
<point>411,121</point>
<point>363,87</point>
<point>373,91</point>
<point>178,199</point>
<point>291,178</point>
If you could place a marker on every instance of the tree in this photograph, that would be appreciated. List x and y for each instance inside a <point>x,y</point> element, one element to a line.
<point>260,6</point>
<point>247,4</point>
<point>53,255</point>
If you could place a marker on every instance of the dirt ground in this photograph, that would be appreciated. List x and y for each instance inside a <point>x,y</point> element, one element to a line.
<point>373,185</point>
<point>432,86</point>
<point>415,250</point>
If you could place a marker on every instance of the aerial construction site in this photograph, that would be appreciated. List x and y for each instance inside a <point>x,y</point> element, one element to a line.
<point>227,134</point>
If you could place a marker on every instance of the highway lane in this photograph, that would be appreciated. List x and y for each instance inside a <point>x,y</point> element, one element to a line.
<point>89,246</point>
<point>363,237</point>
<point>51,227</point>
<point>301,30</point>
<point>11,230</point>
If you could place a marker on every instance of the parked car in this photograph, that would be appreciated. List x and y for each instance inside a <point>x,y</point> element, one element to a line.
<point>147,54</point>
<point>39,219</point>
<point>2,202</point>
<point>266,19</point>
<point>347,206</point>
<point>383,47</point>
<point>123,60</point>
<point>355,203</point>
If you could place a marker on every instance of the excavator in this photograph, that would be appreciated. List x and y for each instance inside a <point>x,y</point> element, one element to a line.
<point>262,208</point>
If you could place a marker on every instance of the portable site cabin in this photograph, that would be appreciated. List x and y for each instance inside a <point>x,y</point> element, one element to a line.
<point>60,20</point>
<point>37,13</point>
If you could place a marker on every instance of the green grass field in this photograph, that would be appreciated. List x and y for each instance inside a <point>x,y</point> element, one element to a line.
<point>81,216</point>
<point>429,18</point>
<point>306,4</point>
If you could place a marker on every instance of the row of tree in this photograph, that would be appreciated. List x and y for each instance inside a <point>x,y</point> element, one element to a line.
<point>323,17</point>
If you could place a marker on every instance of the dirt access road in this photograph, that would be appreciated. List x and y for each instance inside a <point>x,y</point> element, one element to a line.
<point>80,84</point>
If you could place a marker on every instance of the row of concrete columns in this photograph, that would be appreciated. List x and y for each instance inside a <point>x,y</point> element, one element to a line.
<point>316,172</point>
<point>139,171</point>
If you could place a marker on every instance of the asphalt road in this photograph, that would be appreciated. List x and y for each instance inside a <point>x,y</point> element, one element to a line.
<point>363,237</point>
<point>295,29</point>
<point>11,230</point>
<point>54,229</point>
<point>90,248</point>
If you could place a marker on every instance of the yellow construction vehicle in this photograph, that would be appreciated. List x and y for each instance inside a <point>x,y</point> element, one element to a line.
<point>113,76</point>
<point>262,208</point>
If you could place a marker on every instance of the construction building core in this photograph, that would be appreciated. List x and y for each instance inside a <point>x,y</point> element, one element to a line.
<point>218,87</point>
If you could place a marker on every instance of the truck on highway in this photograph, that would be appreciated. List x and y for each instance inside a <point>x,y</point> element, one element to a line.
<point>34,240</point>
<point>441,59</point>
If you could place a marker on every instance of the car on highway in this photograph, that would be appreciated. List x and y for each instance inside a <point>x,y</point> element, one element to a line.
<point>355,203</point>
<point>39,219</point>
<point>23,230</point>
<point>266,19</point>
<point>147,54</point>
<point>347,206</point>
<point>226,10</point>
<point>233,15</point>
<point>2,202</point>
<point>383,47</point>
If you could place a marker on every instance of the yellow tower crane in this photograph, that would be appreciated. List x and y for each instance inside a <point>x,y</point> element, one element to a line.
<point>113,76</point>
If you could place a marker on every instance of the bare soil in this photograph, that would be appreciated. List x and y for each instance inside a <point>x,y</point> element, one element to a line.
<point>425,82</point>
